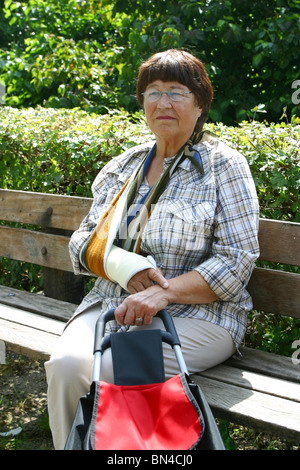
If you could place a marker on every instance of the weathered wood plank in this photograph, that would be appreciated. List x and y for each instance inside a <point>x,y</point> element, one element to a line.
<point>23,340</point>
<point>254,381</point>
<point>46,210</point>
<point>28,341</point>
<point>267,363</point>
<point>279,241</point>
<point>32,320</point>
<point>35,247</point>
<point>253,409</point>
<point>38,304</point>
<point>275,291</point>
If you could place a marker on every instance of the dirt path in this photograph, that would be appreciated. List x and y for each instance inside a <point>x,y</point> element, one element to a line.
<point>23,404</point>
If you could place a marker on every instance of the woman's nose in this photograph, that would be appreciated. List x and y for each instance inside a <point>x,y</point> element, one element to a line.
<point>164,101</point>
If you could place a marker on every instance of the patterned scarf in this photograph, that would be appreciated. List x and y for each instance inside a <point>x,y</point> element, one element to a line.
<point>95,251</point>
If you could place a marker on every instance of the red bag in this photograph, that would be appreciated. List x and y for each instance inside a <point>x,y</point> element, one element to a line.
<point>146,417</point>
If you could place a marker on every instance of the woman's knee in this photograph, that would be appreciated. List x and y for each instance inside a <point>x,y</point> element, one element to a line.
<point>69,370</point>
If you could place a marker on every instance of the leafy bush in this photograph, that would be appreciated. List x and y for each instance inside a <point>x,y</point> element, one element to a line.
<point>61,151</point>
<point>273,155</point>
<point>272,333</point>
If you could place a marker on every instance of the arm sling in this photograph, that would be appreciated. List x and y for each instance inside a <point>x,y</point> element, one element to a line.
<point>118,262</point>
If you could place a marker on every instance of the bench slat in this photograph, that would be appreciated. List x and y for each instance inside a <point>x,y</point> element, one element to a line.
<point>275,292</point>
<point>254,381</point>
<point>32,320</point>
<point>46,210</point>
<point>27,245</point>
<point>272,291</point>
<point>39,304</point>
<point>25,340</point>
<point>279,241</point>
<point>252,409</point>
<point>267,363</point>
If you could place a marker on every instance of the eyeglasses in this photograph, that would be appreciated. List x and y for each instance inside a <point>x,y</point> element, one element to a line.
<point>176,96</point>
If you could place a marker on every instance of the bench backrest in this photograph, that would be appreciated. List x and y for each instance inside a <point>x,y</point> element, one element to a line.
<point>57,216</point>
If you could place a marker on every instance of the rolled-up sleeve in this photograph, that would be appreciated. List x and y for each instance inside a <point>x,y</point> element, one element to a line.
<point>235,239</point>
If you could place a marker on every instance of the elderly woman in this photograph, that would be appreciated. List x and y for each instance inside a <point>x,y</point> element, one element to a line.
<point>181,220</point>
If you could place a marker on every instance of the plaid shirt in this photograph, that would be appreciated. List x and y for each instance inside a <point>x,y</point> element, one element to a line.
<point>207,223</point>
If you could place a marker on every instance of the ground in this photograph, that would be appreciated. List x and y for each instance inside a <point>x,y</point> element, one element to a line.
<point>23,404</point>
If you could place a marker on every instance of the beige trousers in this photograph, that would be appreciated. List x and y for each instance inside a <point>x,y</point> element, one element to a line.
<point>69,369</point>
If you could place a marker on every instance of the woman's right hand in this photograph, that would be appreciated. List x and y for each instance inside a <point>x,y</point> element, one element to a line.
<point>146,278</point>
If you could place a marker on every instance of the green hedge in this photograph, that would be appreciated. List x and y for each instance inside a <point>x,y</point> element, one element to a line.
<point>61,151</point>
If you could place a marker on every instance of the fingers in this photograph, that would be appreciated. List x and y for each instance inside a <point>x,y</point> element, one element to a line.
<point>128,314</point>
<point>142,305</point>
<point>120,313</point>
<point>156,276</point>
<point>144,279</point>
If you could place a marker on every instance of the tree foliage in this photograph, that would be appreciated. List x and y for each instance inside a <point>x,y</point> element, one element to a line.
<point>86,54</point>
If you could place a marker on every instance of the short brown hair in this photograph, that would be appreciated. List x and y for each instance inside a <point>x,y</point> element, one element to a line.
<point>182,67</point>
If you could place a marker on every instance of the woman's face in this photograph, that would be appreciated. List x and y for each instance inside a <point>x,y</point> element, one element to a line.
<point>167,119</point>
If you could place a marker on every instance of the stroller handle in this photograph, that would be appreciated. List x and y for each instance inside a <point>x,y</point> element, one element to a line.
<point>103,342</point>
<point>169,336</point>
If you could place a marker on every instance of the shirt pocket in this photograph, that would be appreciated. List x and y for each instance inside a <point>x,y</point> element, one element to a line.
<point>183,226</point>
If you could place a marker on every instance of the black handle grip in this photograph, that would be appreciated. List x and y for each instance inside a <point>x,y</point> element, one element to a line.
<point>169,336</point>
<point>100,329</point>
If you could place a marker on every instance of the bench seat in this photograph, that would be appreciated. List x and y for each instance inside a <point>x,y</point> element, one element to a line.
<point>27,333</point>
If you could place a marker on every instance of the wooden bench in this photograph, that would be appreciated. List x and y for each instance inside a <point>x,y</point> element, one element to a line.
<point>260,390</point>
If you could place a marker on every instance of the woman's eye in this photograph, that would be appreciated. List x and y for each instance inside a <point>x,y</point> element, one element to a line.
<point>154,94</point>
<point>175,95</point>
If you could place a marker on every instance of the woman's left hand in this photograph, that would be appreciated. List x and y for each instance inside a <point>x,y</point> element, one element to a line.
<point>139,308</point>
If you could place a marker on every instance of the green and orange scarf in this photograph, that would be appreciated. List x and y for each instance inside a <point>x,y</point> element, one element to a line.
<point>95,253</point>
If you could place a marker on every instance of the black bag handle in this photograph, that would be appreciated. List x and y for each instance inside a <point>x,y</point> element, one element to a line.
<point>101,343</point>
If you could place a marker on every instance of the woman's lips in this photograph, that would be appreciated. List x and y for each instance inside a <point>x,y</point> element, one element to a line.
<point>165,118</point>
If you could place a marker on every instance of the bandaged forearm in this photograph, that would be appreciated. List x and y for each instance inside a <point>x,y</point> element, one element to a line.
<point>122,265</point>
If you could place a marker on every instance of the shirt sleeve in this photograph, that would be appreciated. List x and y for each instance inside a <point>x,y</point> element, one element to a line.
<point>235,239</point>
